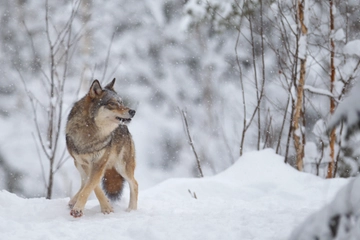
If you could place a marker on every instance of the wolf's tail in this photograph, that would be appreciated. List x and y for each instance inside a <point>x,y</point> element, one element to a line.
<point>113,184</point>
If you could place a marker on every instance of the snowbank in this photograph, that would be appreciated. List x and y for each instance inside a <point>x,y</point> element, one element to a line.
<point>337,220</point>
<point>259,197</point>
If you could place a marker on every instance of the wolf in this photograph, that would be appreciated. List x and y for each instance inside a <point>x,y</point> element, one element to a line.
<point>98,139</point>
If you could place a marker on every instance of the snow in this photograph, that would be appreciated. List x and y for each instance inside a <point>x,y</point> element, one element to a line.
<point>259,197</point>
<point>348,110</point>
<point>352,48</point>
<point>311,152</point>
<point>318,91</point>
<point>340,35</point>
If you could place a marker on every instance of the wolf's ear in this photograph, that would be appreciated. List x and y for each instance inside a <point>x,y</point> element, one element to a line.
<point>110,86</point>
<point>95,89</point>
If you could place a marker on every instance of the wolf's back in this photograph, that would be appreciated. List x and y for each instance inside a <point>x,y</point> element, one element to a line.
<point>113,184</point>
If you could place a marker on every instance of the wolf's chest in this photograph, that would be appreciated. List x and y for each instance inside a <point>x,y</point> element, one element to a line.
<point>90,158</point>
<point>88,145</point>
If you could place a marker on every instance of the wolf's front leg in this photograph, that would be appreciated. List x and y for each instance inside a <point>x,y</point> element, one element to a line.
<point>97,171</point>
<point>83,174</point>
<point>73,200</point>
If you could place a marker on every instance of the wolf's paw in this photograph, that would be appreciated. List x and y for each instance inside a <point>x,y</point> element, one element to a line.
<point>132,206</point>
<point>106,209</point>
<point>76,213</point>
<point>129,209</point>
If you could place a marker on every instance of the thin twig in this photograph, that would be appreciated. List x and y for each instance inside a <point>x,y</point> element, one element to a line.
<point>321,157</point>
<point>190,141</point>
<point>193,194</point>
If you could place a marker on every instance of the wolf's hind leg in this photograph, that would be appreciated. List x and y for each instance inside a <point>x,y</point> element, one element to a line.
<point>105,205</point>
<point>133,194</point>
<point>129,177</point>
<point>126,167</point>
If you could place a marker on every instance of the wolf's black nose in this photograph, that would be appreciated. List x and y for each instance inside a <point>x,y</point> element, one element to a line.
<point>132,112</point>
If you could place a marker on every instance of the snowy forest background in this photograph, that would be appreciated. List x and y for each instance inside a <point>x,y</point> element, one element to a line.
<point>232,66</point>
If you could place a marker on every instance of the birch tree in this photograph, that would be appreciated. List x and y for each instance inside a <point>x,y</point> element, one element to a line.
<point>332,100</point>
<point>298,120</point>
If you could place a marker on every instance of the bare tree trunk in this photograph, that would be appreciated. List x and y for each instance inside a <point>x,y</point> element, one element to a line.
<point>52,109</point>
<point>332,100</point>
<point>298,133</point>
<point>258,96</point>
<point>243,97</point>
<point>263,66</point>
<point>51,179</point>
<point>294,69</point>
<point>291,130</point>
<point>338,154</point>
<point>245,126</point>
<point>289,100</point>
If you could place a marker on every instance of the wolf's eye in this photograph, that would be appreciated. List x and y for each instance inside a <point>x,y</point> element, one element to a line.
<point>112,104</point>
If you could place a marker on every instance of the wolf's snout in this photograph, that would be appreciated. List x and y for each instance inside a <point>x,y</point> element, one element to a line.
<point>132,112</point>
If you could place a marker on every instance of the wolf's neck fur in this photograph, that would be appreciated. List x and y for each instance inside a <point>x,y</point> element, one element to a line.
<point>85,135</point>
<point>104,122</point>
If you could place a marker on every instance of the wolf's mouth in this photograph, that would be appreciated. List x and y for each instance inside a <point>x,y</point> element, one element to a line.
<point>123,120</point>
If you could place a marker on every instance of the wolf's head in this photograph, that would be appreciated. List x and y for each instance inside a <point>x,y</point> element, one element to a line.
<point>106,106</point>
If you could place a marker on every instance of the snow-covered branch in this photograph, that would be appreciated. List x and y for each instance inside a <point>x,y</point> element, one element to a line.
<point>319,91</point>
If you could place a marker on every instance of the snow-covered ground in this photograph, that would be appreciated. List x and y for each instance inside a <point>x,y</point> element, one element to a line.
<point>259,197</point>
